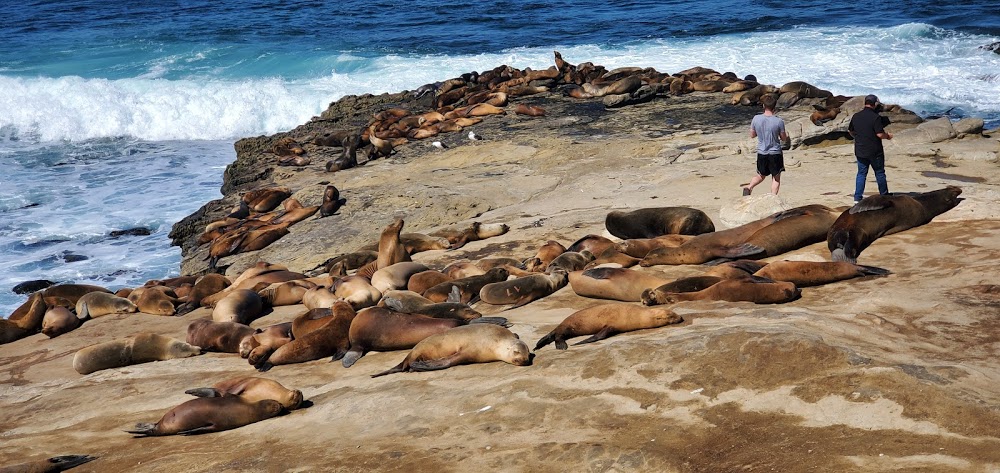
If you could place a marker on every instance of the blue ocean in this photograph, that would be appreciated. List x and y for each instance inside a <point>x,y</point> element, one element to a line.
<point>122,115</point>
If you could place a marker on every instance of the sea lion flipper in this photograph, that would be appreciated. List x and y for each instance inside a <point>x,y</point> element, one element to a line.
<point>395,369</point>
<point>352,356</point>
<point>264,366</point>
<point>601,335</point>
<point>198,430</point>
<point>501,321</point>
<point>875,202</point>
<point>742,251</point>
<point>873,270</point>
<point>143,429</point>
<point>204,392</point>
<point>545,340</point>
<point>436,364</point>
<point>65,462</point>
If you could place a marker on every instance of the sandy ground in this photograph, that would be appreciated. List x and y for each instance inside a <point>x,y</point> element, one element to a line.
<point>894,373</point>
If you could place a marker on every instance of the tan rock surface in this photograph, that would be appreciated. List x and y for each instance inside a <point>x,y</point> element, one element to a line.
<point>874,374</point>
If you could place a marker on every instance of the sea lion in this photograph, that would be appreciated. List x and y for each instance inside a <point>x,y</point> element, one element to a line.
<point>340,265</point>
<point>223,337</point>
<point>209,414</point>
<point>142,348</point>
<point>757,290</point>
<point>595,244</point>
<point>529,110</point>
<point>266,199</point>
<point>462,269</point>
<point>620,284</point>
<point>72,292</point>
<point>48,465</point>
<point>382,329</point>
<point>468,287</point>
<point>357,291</point>
<point>605,320</point>
<point>545,254</point>
<point>523,290</point>
<point>819,117</point>
<point>26,319</point>
<point>330,339</point>
<point>570,261</point>
<point>640,247</point>
<point>879,215</point>
<point>727,243</point>
<point>155,300</point>
<point>390,249</point>
<point>413,303</point>
<point>656,221</point>
<point>331,201</point>
<point>265,340</point>
<point>59,320</point>
<point>319,297</point>
<point>252,389</point>
<point>241,306</point>
<point>475,232</point>
<point>285,293</point>
<point>478,343</point>
<point>735,269</point>
<point>97,304</point>
<point>425,280</point>
<point>205,286</point>
<point>816,273</point>
<point>311,320</point>
<point>256,281</point>
<point>396,276</point>
<point>794,229</point>
<point>614,257</point>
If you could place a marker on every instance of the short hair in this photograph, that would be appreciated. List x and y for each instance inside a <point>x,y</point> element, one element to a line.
<point>768,101</point>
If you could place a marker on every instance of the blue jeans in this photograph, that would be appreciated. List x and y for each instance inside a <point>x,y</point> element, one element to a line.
<point>877,163</point>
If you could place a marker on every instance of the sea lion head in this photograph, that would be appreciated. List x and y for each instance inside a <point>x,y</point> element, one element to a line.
<point>515,352</point>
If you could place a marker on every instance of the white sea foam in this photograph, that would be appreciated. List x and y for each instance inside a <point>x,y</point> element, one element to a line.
<point>915,65</point>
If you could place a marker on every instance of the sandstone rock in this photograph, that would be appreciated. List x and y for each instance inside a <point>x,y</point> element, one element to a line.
<point>743,210</point>
<point>969,126</point>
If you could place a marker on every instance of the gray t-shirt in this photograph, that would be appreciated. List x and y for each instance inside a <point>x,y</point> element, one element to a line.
<point>768,129</point>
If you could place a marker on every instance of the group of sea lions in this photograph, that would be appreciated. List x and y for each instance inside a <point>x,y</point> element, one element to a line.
<point>466,100</point>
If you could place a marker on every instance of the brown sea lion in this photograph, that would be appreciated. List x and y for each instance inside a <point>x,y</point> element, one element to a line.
<point>735,269</point>
<point>595,244</point>
<point>155,300</point>
<point>26,319</point>
<point>252,389</point>
<point>59,320</point>
<point>529,110</point>
<point>240,306</point>
<point>879,215</point>
<point>330,339</point>
<point>462,269</point>
<point>656,221</point>
<point>757,290</point>
<point>142,348</point>
<point>640,247</point>
<point>816,273</point>
<point>285,293</point>
<point>209,414</point>
<point>605,320</point>
<point>223,337</point>
<point>357,291</point>
<point>424,280</point>
<point>205,286</point>
<point>475,232</point>
<point>396,276</point>
<point>796,228</point>
<point>97,304</point>
<point>819,117</point>
<point>319,297</point>
<point>331,201</point>
<point>620,284</point>
<point>390,249</point>
<point>341,264</point>
<point>266,199</point>
<point>612,256</point>
<point>71,292</point>
<point>570,261</point>
<point>255,282</point>
<point>468,287</point>
<point>545,254</point>
<point>525,289</point>
<point>480,343</point>
<point>382,329</point>
<point>265,340</point>
<point>413,303</point>
<point>48,465</point>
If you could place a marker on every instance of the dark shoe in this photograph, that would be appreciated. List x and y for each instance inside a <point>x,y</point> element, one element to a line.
<point>746,192</point>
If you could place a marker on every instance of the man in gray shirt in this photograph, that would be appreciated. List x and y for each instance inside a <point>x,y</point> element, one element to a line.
<point>769,129</point>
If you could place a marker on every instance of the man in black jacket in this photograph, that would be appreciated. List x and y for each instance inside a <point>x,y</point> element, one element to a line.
<point>868,129</point>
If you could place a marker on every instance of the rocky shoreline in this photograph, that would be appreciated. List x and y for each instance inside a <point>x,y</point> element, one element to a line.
<point>896,372</point>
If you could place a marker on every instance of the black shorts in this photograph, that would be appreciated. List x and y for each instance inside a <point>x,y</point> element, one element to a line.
<point>770,164</point>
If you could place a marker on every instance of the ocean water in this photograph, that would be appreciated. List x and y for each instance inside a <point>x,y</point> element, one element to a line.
<point>116,116</point>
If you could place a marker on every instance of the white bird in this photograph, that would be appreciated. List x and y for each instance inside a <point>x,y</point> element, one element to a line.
<point>474,136</point>
<point>438,144</point>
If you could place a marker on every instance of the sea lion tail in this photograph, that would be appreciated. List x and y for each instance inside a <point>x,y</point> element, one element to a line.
<point>83,314</point>
<point>65,462</point>
<point>143,429</point>
<point>501,321</point>
<point>744,250</point>
<point>185,308</point>
<point>873,270</point>
<point>545,340</point>
<point>395,369</point>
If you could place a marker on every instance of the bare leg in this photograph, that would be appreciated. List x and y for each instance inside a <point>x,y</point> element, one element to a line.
<point>753,182</point>
<point>775,183</point>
